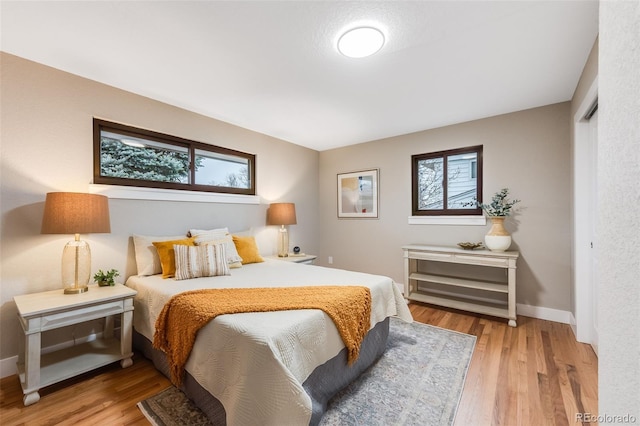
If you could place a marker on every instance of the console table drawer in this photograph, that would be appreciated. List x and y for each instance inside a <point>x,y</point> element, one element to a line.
<point>481,260</point>
<point>469,259</point>
<point>438,257</point>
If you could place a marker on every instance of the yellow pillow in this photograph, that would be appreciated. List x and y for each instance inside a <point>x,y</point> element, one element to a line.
<point>167,254</point>
<point>247,249</point>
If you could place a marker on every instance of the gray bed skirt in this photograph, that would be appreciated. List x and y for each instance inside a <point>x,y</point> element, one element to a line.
<point>323,383</point>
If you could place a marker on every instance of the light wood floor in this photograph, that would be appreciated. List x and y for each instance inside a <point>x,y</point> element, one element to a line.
<point>535,374</point>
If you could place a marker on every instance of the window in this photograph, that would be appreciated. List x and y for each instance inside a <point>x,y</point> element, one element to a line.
<point>447,182</point>
<point>125,155</point>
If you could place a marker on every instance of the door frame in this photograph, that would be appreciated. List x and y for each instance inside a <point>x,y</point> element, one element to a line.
<point>583,221</point>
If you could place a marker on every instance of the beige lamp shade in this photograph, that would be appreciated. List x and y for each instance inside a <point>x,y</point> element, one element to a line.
<point>281,214</point>
<point>75,213</point>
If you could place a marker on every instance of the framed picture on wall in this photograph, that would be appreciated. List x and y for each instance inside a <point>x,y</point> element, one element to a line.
<point>358,194</point>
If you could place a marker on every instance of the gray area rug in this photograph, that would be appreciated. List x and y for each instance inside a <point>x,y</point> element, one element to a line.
<point>417,381</point>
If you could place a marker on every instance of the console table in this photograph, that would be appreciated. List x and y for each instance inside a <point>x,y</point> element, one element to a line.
<point>40,312</point>
<point>449,286</point>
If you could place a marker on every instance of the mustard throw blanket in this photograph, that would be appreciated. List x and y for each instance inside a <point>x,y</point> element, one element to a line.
<point>184,314</point>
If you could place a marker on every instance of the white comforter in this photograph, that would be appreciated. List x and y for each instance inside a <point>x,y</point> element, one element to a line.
<point>255,363</point>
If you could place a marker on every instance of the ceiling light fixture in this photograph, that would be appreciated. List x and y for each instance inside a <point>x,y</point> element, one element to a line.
<point>360,42</point>
<point>133,143</point>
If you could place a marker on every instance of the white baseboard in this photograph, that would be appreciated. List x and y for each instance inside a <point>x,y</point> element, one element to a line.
<point>548,314</point>
<point>8,367</point>
<point>574,325</point>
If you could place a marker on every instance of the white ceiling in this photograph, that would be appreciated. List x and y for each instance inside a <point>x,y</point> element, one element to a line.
<point>273,66</point>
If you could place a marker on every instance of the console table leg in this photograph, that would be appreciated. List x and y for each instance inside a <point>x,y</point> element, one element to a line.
<point>512,292</point>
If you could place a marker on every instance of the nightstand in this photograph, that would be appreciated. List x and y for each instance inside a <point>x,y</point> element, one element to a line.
<point>49,310</point>
<point>307,259</point>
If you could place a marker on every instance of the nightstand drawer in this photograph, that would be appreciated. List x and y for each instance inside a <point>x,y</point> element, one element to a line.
<point>306,259</point>
<point>75,316</point>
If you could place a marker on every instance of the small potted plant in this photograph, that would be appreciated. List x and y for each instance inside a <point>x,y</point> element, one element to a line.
<point>499,206</point>
<point>498,239</point>
<point>105,279</point>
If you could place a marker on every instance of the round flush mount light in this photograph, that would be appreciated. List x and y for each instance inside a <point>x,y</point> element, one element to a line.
<point>360,42</point>
<point>132,142</point>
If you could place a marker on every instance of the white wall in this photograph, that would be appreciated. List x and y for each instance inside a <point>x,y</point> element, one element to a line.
<point>619,211</point>
<point>47,145</point>
<point>587,79</point>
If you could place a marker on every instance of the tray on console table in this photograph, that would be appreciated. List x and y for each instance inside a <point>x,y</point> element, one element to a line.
<point>414,275</point>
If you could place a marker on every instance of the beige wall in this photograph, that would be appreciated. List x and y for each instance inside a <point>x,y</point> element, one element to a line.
<point>527,151</point>
<point>47,146</point>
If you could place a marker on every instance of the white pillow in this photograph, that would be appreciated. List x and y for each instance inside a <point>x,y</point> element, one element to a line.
<point>219,236</point>
<point>207,260</point>
<point>147,259</point>
<point>210,234</point>
<point>245,233</point>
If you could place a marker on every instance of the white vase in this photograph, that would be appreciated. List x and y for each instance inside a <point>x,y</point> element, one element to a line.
<point>497,239</point>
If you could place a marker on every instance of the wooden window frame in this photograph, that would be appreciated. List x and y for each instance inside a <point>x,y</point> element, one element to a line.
<point>415,159</point>
<point>102,125</point>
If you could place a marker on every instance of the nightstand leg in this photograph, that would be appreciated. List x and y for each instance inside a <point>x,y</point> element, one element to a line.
<point>126,335</point>
<point>31,383</point>
<point>30,398</point>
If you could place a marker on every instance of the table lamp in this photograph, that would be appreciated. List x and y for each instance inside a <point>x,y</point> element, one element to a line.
<point>282,214</point>
<point>75,213</point>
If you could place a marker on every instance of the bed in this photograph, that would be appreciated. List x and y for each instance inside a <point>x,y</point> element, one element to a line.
<point>270,368</point>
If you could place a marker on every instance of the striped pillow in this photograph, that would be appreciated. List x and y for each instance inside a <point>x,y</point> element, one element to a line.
<point>207,260</point>
<point>218,236</point>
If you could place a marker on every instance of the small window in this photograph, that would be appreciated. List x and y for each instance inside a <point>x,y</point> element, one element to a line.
<point>222,170</point>
<point>125,155</point>
<point>447,182</point>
